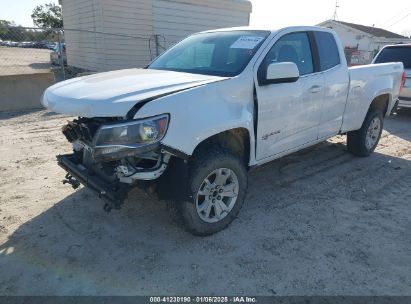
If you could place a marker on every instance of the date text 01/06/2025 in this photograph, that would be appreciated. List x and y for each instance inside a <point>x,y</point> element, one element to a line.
<point>203,300</point>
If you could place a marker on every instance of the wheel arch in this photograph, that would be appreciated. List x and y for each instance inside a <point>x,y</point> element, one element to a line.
<point>237,141</point>
<point>381,102</point>
<point>354,118</point>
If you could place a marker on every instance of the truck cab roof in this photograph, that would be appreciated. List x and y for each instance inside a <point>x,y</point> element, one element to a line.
<point>267,29</point>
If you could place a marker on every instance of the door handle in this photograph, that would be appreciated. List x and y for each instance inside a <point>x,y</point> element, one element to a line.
<point>315,89</point>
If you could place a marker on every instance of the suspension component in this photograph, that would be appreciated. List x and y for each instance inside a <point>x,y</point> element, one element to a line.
<point>72,181</point>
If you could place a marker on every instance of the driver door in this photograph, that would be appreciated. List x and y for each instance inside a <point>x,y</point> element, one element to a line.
<point>289,113</point>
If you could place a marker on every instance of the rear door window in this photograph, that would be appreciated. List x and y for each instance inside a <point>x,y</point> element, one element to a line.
<point>327,50</point>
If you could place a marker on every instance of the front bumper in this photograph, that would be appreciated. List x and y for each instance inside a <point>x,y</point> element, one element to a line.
<point>114,193</point>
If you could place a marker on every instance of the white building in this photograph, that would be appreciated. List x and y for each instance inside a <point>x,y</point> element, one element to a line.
<point>362,42</point>
<point>105,35</point>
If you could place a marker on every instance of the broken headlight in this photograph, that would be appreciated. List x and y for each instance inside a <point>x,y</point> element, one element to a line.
<point>123,139</point>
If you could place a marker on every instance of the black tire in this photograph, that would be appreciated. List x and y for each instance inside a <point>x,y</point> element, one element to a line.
<point>356,140</point>
<point>201,166</point>
<point>395,109</point>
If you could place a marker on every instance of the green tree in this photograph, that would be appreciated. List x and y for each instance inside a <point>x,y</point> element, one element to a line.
<point>5,29</point>
<point>5,23</point>
<point>47,16</point>
<point>9,31</point>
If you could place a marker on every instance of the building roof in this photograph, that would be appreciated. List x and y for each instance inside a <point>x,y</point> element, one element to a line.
<point>374,31</point>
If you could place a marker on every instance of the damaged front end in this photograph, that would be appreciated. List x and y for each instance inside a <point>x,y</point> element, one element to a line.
<point>110,155</point>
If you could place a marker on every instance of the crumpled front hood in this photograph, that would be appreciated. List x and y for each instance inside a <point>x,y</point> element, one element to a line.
<point>113,94</point>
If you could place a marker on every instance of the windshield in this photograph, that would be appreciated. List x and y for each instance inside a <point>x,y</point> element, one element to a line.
<point>396,54</point>
<point>223,54</point>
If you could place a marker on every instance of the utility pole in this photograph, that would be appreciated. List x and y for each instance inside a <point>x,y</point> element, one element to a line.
<point>335,16</point>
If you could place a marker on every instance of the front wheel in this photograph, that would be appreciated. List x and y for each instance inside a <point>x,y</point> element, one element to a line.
<point>218,184</point>
<point>364,141</point>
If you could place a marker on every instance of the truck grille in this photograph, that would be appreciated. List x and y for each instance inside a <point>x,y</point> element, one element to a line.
<point>84,129</point>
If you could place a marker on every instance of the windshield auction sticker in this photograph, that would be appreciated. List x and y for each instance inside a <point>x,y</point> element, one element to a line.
<point>246,42</point>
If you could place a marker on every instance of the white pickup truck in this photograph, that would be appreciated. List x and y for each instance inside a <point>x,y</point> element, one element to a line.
<point>190,125</point>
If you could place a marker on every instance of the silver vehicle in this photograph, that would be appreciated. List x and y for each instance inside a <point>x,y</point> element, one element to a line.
<point>399,53</point>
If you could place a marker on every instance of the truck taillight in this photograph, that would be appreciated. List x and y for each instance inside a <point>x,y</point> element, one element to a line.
<point>402,81</point>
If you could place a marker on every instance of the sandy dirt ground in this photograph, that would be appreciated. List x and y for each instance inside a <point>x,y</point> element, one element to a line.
<point>15,61</point>
<point>318,222</point>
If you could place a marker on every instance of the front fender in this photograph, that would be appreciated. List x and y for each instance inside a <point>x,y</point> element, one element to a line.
<point>199,113</point>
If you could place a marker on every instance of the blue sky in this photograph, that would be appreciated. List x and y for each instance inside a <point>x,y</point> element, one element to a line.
<point>394,15</point>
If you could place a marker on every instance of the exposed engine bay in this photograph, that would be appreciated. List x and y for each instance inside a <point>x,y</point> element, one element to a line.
<point>112,162</point>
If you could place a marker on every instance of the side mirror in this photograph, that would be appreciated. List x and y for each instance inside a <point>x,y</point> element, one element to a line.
<point>281,72</point>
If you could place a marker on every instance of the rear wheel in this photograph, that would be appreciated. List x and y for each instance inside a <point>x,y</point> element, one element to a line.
<point>364,141</point>
<point>218,183</point>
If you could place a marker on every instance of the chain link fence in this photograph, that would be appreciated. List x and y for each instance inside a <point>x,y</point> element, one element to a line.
<point>70,52</point>
<point>28,50</point>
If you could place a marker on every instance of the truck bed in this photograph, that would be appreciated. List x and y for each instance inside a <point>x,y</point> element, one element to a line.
<point>367,82</point>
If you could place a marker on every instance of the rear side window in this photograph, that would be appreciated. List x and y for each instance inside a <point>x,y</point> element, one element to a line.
<point>327,49</point>
<point>396,54</point>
